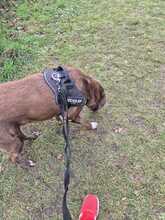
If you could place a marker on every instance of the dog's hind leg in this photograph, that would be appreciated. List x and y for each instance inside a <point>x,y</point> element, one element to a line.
<point>16,149</point>
<point>24,137</point>
<point>16,157</point>
<point>21,137</point>
<point>12,143</point>
<point>9,141</point>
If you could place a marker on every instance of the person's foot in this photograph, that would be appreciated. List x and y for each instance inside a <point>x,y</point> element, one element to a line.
<point>90,208</point>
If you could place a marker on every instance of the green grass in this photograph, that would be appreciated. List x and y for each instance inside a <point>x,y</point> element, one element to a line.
<point>121,43</point>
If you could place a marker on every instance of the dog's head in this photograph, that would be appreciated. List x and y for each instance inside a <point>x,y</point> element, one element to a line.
<point>95,94</point>
<point>90,87</point>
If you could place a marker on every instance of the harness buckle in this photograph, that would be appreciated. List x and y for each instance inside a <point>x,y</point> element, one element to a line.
<point>56,77</point>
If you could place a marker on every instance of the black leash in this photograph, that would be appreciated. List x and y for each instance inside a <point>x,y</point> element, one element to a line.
<point>66,95</point>
<point>67,153</point>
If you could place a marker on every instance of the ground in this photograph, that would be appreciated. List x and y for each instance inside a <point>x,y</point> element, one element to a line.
<point>121,43</point>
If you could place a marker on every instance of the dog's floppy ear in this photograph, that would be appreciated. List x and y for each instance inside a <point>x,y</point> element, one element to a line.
<point>86,85</point>
<point>91,93</point>
<point>94,93</point>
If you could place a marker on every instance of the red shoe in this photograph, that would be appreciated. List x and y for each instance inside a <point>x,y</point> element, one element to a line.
<point>90,208</point>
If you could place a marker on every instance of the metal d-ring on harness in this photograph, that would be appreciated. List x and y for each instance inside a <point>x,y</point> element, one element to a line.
<point>66,95</point>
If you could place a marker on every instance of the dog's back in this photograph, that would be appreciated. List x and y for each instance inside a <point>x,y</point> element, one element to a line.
<point>21,100</point>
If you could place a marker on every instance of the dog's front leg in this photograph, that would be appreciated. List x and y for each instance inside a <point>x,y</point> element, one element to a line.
<point>85,123</point>
<point>75,116</point>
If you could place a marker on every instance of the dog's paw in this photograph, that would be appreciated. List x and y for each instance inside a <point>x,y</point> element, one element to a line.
<point>94,125</point>
<point>35,135</point>
<point>25,163</point>
<point>30,163</point>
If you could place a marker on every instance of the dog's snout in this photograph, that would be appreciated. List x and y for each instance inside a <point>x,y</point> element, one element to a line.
<point>95,108</point>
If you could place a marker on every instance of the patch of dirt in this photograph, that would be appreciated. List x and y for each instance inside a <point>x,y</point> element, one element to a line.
<point>138,121</point>
<point>36,214</point>
<point>141,123</point>
<point>40,213</point>
<point>126,217</point>
<point>119,129</point>
<point>160,82</point>
<point>121,162</point>
<point>137,178</point>
<point>49,210</point>
<point>115,147</point>
<point>158,211</point>
<point>156,103</point>
<point>153,130</point>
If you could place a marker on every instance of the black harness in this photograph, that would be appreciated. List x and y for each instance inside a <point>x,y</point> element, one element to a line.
<point>66,95</point>
<point>60,83</point>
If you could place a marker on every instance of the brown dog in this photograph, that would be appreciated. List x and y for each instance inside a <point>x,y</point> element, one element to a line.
<point>30,99</point>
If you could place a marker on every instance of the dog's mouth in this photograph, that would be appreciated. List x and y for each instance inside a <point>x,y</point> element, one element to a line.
<point>100,105</point>
<point>95,108</point>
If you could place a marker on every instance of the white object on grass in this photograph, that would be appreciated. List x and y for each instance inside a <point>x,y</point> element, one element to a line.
<point>94,125</point>
<point>31,163</point>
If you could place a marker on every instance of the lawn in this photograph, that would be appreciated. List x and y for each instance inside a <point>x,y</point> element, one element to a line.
<point>122,44</point>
